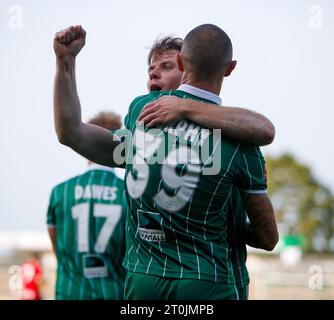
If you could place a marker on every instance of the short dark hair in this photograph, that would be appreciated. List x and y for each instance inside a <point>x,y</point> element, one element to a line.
<point>107,119</point>
<point>207,50</point>
<point>164,44</point>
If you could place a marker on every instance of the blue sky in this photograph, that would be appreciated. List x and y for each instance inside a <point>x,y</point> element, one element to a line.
<point>284,51</point>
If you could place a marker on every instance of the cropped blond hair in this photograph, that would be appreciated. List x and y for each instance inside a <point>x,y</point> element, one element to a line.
<point>107,119</point>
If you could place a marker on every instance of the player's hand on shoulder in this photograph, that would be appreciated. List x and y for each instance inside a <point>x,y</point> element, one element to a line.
<point>165,110</point>
<point>69,42</point>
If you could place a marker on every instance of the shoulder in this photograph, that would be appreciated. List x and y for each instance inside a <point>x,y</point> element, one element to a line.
<point>242,147</point>
<point>137,105</point>
<point>247,148</point>
<point>140,101</point>
<point>64,183</point>
<point>234,152</point>
<point>181,94</point>
<point>187,95</point>
<point>139,98</point>
<point>110,176</point>
<point>135,108</point>
<point>118,181</point>
<point>230,143</point>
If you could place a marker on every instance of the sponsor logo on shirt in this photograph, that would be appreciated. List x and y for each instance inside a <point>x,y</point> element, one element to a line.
<point>151,235</point>
<point>149,226</point>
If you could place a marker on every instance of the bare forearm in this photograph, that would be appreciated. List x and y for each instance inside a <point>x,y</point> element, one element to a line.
<point>67,108</point>
<point>241,124</point>
<point>52,234</point>
<point>260,239</point>
<point>262,230</point>
<point>252,238</point>
<point>92,142</point>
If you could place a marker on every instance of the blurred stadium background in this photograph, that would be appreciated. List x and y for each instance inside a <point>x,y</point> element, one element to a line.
<point>273,276</point>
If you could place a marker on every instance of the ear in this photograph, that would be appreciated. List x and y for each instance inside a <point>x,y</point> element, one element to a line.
<point>180,62</point>
<point>230,68</point>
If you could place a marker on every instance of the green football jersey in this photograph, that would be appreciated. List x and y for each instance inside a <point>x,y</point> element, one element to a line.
<point>87,212</point>
<point>237,217</point>
<point>178,208</point>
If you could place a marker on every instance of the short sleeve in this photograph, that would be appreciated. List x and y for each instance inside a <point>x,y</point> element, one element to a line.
<point>51,213</point>
<point>252,177</point>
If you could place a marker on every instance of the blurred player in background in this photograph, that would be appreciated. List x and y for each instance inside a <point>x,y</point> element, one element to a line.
<point>31,279</point>
<point>86,226</point>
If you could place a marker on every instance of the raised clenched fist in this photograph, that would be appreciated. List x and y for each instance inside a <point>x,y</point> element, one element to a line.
<point>69,42</point>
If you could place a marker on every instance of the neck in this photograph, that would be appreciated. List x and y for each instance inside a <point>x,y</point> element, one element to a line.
<point>213,85</point>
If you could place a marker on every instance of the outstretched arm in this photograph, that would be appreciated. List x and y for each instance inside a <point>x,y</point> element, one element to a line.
<point>238,123</point>
<point>92,142</point>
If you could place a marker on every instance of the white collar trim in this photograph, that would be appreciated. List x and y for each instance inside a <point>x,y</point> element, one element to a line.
<point>99,167</point>
<point>200,93</point>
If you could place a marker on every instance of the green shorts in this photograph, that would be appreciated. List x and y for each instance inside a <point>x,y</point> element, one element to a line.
<point>243,293</point>
<point>139,286</point>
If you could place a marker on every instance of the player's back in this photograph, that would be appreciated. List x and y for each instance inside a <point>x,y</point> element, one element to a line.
<point>87,213</point>
<point>179,211</point>
<point>236,230</point>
